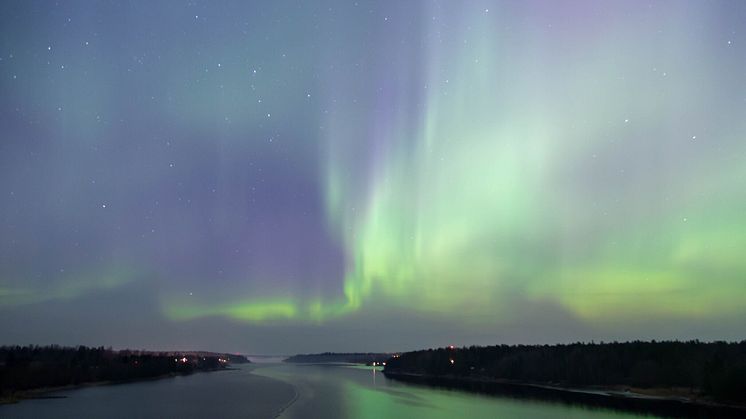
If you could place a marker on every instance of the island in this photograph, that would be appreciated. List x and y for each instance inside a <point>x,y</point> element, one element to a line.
<point>29,371</point>
<point>367,358</point>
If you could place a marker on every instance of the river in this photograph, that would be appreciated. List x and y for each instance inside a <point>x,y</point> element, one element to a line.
<point>292,391</point>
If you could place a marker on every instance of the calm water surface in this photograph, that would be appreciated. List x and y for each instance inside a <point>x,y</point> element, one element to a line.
<point>290,391</point>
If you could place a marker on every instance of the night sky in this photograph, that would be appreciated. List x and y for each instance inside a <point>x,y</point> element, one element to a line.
<point>298,176</point>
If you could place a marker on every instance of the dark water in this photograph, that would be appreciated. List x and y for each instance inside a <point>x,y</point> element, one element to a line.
<point>291,391</point>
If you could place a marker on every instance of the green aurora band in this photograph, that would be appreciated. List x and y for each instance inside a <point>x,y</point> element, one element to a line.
<point>283,176</point>
<point>538,167</point>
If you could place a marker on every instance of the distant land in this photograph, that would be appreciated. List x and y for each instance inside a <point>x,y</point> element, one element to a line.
<point>29,371</point>
<point>692,372</point>
<point>367,358</point>
<point>711,375</point>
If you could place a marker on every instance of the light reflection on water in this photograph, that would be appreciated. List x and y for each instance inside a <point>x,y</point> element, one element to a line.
<point>294,391</point>
<point>362,392</point>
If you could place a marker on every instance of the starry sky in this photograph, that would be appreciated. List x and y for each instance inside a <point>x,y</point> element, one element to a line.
<point>299,176</point>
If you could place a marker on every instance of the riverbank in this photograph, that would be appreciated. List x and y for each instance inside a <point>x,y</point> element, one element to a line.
<point>33,371</point>
<point>234,393</point>
<point>48,392</point>
<point>663,401</point>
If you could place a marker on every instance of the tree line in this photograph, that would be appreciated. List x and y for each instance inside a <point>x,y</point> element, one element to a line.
<point>352,358</point>
<point>24,368</point>
<point>714,369</point>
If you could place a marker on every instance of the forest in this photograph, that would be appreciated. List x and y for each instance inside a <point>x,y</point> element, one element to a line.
<point>352,358</point>
<point>24,368</point>
<point>715,370</point>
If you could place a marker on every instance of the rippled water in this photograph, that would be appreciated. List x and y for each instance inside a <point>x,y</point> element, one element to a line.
<point>290,391</point>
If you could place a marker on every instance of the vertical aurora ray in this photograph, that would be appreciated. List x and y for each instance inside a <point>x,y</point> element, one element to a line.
<point>461,168</point>
<point>484,197</point>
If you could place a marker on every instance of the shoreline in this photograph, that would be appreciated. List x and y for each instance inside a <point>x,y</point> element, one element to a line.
<point>615,396</point>
<point>45,392</point>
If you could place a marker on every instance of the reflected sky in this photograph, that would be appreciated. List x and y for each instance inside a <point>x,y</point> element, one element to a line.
<point>292,391</point>
<point>335,391</point>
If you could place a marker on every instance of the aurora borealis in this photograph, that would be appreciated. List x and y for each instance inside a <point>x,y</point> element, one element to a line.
<point>304,176</point>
